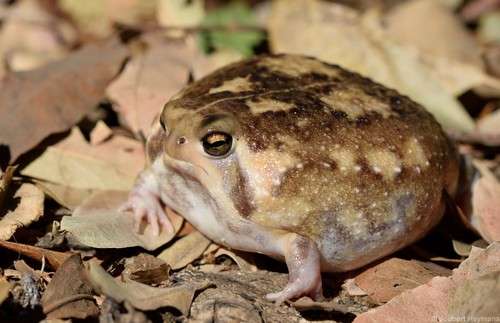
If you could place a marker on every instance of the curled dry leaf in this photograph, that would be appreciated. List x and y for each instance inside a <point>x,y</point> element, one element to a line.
<point>360,43</point>
<point>73,162</point>
<point>98,223</point>
<point>69,294</point>
<point>486,204</point>
<point>242,263</point>
<point>430,302</point>
<point>149,80</point>
<point>54,258</point>
<point>390,278</point>
<point>63,93</point>
<point>142,296</point>
<point>185,250</point>
<point>29,209</point>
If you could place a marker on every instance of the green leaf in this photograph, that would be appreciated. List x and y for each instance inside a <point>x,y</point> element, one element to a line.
<point>235,15</point>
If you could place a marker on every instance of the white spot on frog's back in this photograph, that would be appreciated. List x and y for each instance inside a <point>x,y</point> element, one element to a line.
<point>384,162</point>
<point>296,66</point>
<point>239,84</point>
<point>414,154</point>
<point>344,158</point>
<point>261,105</point>
<point>356,103</point>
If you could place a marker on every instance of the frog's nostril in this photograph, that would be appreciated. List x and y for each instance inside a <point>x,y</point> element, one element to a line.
<point>181,140</point>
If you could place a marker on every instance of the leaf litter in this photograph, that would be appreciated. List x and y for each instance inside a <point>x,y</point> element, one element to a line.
<point>88,104</point>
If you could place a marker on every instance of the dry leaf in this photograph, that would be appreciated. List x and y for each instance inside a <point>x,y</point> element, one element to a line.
<point>180,13</point>
<point>390,278</point>
<point>5,287</point>
<point>486,204</point>
<point>54,258</point>
<point>185,250</point>
<point>411,22</point>
<point>352,289</point>
<point>62,92</point>
<point>142,296</point>
<point>359,42</point>
<point>31,37</point>
<point>243,264</point>
<point>204,64</point>
<point>5,179</point>
<point>430,302</point>
<point>149,80</point>
<point>73,162</point>
<point>307,304</point>
<point>29,209</point>
<point>97,223</point>
<point>100,133</point>
<point>461,248</point>
<point>68,197</point>
<point>146,269</point>
<point>477,298</point>
<point>68,294</point>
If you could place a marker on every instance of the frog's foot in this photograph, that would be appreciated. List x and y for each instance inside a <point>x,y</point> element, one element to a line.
<point>303,261</point>
<point>146,205</point>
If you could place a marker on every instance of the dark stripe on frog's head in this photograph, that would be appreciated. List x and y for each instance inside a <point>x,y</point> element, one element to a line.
<point>241,194</point>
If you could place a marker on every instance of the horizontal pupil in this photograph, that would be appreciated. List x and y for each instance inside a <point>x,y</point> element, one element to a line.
<point>217,143</point>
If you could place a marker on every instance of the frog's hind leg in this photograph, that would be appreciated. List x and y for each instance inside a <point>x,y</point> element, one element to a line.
<point>303,260</point>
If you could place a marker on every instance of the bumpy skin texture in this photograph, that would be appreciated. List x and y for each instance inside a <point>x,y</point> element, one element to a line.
<point>328,170</point>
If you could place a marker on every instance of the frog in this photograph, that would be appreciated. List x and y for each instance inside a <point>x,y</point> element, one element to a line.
<point>300,160</point>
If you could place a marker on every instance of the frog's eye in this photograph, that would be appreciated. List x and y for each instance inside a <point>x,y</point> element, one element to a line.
<point>217,144</point>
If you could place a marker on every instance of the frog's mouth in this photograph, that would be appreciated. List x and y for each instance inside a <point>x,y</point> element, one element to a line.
<point>184,168</point>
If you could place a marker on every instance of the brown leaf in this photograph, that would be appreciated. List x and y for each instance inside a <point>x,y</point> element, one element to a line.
<point>68,294</point>
<point>111,165</point>
<point>486,204</point>
<point>29,209</point>
<point>392,277</point>
<point>430,302</point>
<point>142,296</point>
<point>54,258</point>
<point>149,80</point>
<point>98,223</point>
<point>185,250</point>
<point>146,269</point>
<point>62,92</point>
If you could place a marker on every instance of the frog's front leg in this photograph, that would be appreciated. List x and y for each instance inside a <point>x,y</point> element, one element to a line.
<point>145,203</point>
<point>304,266</point>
